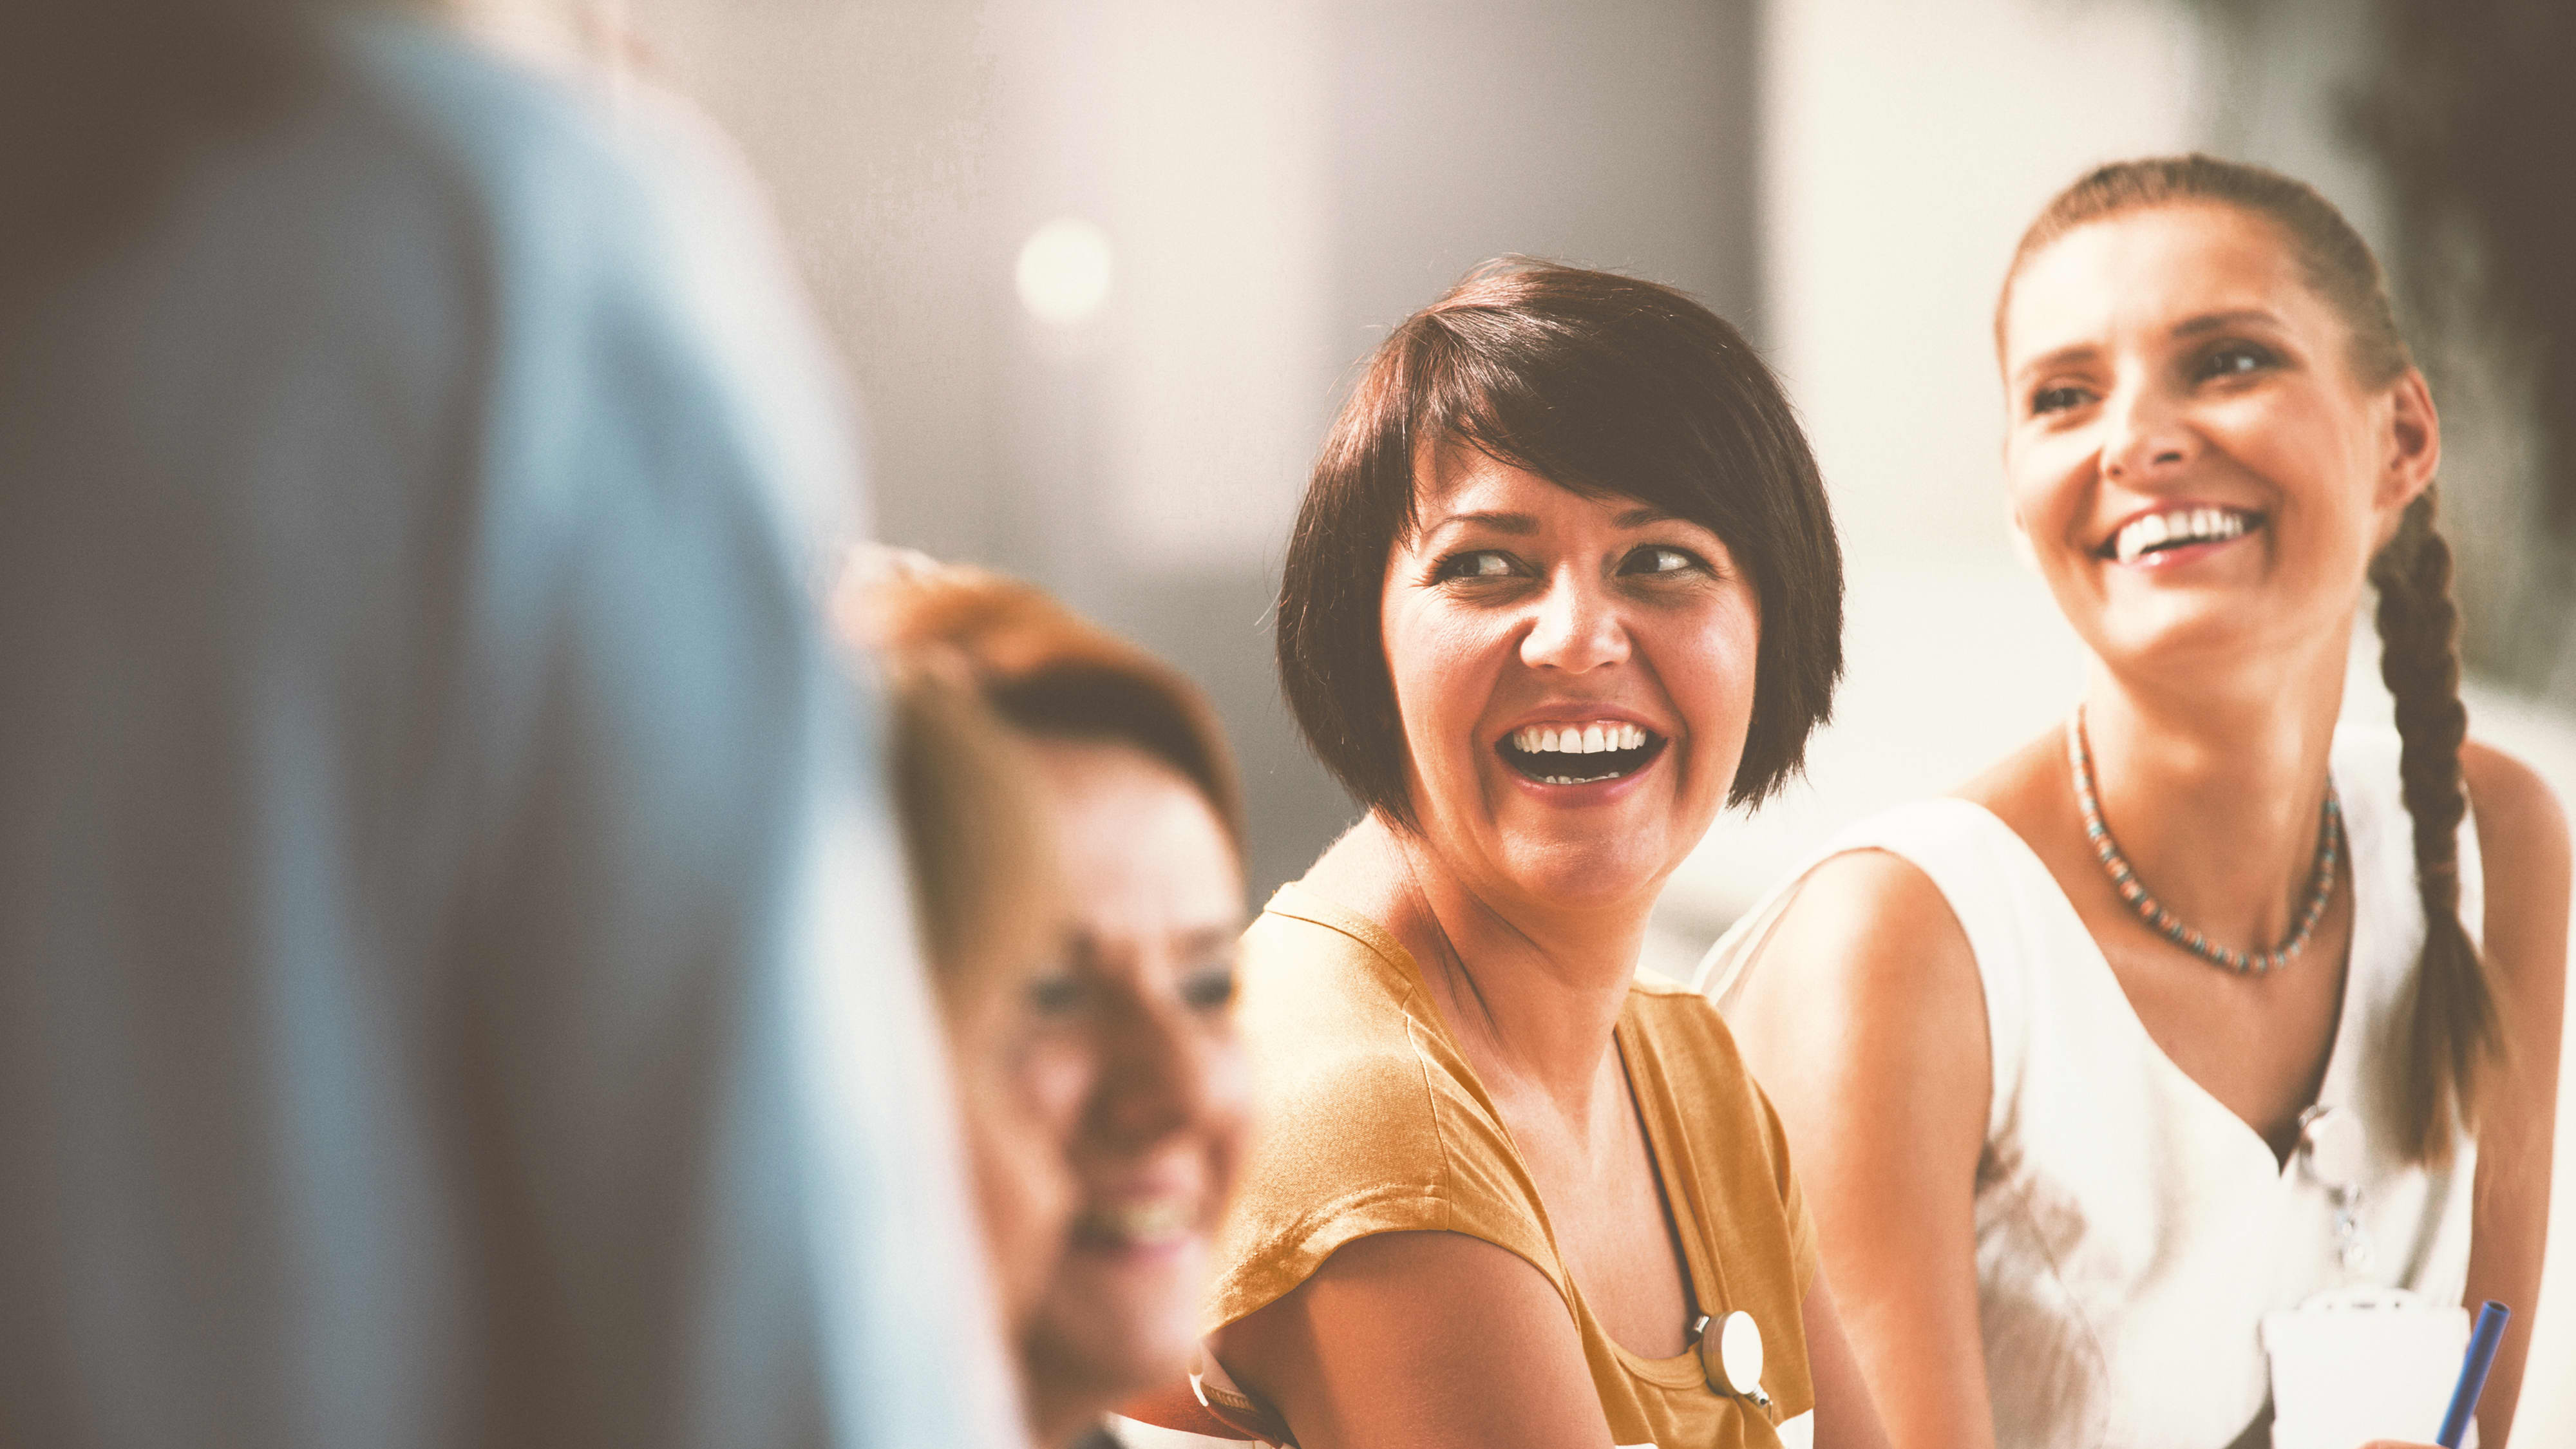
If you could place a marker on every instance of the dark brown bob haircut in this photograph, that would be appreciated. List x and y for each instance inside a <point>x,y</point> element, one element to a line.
<point>1606,386</point>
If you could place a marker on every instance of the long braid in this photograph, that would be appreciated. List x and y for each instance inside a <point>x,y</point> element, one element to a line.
<point>2452,1034</point>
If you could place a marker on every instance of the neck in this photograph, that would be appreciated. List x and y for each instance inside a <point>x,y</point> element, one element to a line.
<point>1531,993</point>
<point>2215,801</point>
<point>1061,1407</point>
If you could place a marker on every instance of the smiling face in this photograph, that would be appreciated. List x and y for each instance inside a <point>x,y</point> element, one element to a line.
<point>1574,676</point>
<point>1021,1075</point>
<point>1149,981</point>
<point>2198,471</point>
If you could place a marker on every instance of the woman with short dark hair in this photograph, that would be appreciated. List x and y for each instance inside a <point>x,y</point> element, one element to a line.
<point>1563,586</point>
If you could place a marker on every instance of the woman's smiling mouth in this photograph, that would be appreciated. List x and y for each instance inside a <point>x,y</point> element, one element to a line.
<point>1584,754</point>
<point>2150,535</point>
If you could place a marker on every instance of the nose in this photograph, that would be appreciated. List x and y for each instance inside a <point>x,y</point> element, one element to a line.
<point>1577,626</point>
<point>2146,437</point>
<point>1167,1071</point>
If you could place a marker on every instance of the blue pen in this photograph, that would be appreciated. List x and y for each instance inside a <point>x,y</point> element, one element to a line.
<point>2473,1373</point>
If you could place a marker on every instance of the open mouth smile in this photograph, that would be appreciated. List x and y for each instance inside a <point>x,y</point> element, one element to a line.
<point>1584,754</point>
<point>1147,1224</point>
<point>2150,536</point>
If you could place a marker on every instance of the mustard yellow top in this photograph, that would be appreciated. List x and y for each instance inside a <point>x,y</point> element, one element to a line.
<point>1371,1121</point>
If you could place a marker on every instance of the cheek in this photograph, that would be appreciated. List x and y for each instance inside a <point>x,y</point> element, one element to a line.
<point>2046,480</point>
<point>1228,1114</point>
<point>1716,664</point>
<point>1442,664</point>
<point>1053,1076</point>
<point>1024,1195</point>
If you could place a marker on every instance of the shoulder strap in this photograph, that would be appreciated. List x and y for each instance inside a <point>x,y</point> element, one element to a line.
<point>2006,903</point>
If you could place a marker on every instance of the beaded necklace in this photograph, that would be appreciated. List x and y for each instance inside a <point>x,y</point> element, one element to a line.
<point>2321,882</point>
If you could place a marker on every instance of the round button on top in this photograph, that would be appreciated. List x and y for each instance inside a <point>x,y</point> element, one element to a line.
<point>1732,1357</point>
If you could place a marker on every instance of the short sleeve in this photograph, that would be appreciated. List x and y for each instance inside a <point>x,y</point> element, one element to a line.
<point>1369,1123</point>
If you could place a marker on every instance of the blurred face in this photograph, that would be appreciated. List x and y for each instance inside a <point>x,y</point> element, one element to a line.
<point>2191,459</point>
<point>1022,1069</point>
<point>1158,904</point>
<point>1575,677</point>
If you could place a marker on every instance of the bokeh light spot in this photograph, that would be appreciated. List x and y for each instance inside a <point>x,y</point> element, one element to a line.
<point>1064,272</point>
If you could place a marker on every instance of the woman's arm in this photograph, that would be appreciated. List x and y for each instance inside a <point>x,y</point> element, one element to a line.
<point>1864,1020</point>
<point>2522,838</point>
<point>1846,1418</point>
<point>1421,1341</point>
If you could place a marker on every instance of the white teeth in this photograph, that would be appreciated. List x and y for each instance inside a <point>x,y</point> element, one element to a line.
<point>2181,525</point>
<point>1142,1223</point>
<point>1590,739</point>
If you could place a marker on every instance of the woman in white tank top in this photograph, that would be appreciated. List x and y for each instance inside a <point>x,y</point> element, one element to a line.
<point>2196,1009</point>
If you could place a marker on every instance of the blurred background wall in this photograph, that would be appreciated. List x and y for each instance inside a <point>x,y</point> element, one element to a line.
<point>1100,268</point>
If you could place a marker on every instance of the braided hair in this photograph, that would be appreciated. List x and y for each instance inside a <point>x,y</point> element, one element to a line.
<point>2453,1032</point>
<point>2452,1035</point>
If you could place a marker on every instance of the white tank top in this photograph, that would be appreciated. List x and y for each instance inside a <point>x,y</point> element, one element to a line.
<point>2131,1230</point>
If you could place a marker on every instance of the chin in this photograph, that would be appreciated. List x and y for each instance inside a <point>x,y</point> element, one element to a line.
<point>1119,1339</point>
<point>1127,1321</point>
<point>2198,634</point>
<point>1591,872</point>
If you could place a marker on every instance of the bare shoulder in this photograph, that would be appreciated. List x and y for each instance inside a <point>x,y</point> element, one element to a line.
<point>1866,991</point>
<point>2522,840</point>
<point>1866,932</point>
<point>2520,819</point>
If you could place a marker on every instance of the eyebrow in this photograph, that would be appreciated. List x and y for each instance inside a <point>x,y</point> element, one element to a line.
<point>1522,525</point>
<point>2199,326</point>
<point>2220,321</point>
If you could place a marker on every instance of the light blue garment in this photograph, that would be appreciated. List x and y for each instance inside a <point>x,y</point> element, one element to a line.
<point>454,981</point>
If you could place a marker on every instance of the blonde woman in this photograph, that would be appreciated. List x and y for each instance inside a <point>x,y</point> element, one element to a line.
<point>2196,1007</point>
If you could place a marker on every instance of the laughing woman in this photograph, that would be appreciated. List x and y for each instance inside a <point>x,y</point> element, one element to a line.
<point>2197,1007</point>
<point>1564,584</point>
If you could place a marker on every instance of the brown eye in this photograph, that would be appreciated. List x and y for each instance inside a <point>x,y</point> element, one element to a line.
<point>2057,399</point>
<point>1059,993</point>
<point>1479,563</point>
<point>1210,988</point>
<point>2232,359</point>
<point>1656,559</point>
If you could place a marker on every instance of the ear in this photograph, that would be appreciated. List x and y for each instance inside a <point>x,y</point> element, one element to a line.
<point>2412,444</point>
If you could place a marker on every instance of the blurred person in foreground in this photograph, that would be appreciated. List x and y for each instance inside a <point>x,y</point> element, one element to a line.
<point>1564,585</point>
<point>2126,1073</point>
<point>1097,1063</point>
<point>454,977</point>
